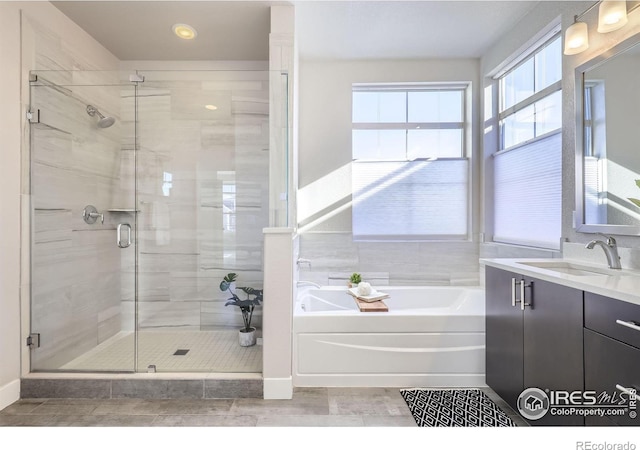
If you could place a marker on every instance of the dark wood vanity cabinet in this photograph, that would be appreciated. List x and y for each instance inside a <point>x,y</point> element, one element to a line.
<point>504,337</point>
<point>612,351</point>
<point>540,345</point>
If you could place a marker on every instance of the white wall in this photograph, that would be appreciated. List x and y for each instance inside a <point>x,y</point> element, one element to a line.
<point>9,204</point>
<point>324,212</point>
<point>18,56</point>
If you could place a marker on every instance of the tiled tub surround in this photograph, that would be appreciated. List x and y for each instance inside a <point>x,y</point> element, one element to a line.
<point>336,254</point>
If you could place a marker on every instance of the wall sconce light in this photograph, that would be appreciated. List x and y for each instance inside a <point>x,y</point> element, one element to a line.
<point>612,15</point>
<point>576,38</point>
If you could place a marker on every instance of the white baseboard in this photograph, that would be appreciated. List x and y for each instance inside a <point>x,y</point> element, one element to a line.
<point>391,380</point>
<point>9,393</point>
<point>278,388</point>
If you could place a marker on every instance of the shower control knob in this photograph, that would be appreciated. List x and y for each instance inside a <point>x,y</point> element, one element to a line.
<point>90,215</point>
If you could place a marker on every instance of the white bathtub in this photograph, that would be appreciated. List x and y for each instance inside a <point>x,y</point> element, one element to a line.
<point>431,337</point>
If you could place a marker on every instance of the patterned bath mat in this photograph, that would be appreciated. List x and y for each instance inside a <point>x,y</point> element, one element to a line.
<point>454,408</point>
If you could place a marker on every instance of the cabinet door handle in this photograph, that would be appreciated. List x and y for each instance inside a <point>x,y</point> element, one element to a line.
<point>629,324</point>
<point>522,300</point>
<point>631,392</point>
<point>514,300</point>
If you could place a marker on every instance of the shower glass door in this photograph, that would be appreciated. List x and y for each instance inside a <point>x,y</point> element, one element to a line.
<point>202,192</point>
<point>83,221</point>
<point>144,195</point>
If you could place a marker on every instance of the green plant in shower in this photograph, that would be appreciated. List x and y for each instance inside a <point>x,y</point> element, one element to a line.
<point>635,201</point>
<point>254,298</point>
<point>355,278</point>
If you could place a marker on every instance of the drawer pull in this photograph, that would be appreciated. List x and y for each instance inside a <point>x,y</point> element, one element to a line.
<point>629,324</point>
<point>631,392</point>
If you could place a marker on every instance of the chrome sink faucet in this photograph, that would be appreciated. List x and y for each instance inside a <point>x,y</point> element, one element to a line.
<point>610,250</point>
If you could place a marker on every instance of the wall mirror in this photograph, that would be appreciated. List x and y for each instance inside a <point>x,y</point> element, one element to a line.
<point>608,141</point>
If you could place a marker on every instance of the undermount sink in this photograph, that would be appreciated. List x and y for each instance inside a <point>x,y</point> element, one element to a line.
<point>571,269</point>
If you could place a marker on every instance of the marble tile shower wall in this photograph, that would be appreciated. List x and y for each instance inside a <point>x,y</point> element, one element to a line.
<point>202,198</point>
<point>75,274</point>
<point>334,256</point>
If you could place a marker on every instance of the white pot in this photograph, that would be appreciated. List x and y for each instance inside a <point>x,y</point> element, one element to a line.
<point>247,338</point>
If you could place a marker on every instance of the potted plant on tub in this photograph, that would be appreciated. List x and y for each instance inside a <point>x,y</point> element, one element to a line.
<point>247,335</point>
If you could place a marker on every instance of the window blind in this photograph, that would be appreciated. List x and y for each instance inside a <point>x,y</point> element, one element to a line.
<point>528,194</point>
<point>595,208</point>
<point>410,199</point>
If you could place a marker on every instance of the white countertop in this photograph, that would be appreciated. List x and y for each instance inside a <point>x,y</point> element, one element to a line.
<point>619,284</point>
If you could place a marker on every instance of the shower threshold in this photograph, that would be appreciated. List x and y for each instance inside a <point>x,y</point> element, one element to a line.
<point>141,385</point>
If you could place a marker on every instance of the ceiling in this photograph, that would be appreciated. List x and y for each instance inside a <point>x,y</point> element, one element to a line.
<point>239,30</point>
<point>404,30</point>
<point>141,30</point>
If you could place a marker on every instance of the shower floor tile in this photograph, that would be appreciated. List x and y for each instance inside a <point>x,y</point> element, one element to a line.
<point>208,351</point>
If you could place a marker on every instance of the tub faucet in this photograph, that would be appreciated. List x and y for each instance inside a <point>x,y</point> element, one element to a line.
<point>302,261</point>
<point>610,250</point>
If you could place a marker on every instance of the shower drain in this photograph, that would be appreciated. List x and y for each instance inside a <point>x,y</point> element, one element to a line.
<point>181,352</point>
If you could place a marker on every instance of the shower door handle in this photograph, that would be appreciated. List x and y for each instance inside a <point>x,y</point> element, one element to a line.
<point>119,235</point>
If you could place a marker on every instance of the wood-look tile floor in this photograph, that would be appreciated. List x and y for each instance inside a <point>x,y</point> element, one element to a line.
<point>310,407</point>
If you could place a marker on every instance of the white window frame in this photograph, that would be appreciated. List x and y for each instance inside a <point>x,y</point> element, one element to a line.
<point>464,126</point>
<point>407,126</point>
<point>522,104</point>
<point>533,98</point>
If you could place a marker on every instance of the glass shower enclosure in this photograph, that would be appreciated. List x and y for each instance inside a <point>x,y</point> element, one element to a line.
<point>146,190</point>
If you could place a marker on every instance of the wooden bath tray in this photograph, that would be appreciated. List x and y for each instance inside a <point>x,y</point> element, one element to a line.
<point>378,306</point>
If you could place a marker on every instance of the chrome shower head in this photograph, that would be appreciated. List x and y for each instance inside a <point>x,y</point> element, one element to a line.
<point>103,122</point>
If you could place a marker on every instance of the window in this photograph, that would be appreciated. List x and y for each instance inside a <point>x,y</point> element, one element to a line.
<point>167,183</point>
<point>595,149</point>
<point>229,206</point>
<point>528,165</point>
<point>410,171</point>
<point>530,96</point>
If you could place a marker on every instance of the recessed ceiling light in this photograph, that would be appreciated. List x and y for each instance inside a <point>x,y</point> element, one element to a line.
<point>211,107</point>
<point>184,31</point>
